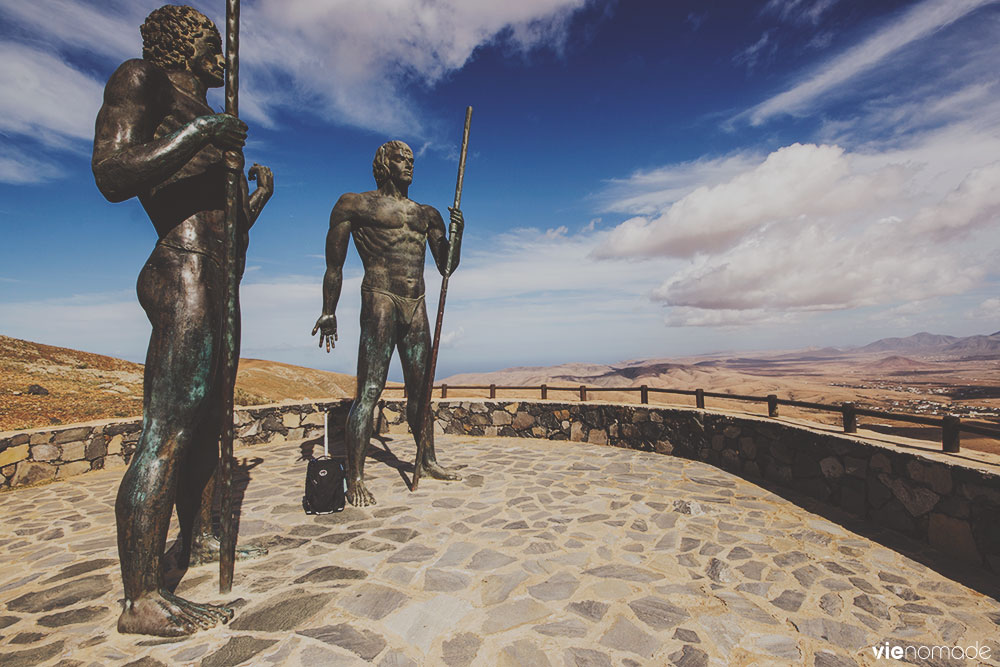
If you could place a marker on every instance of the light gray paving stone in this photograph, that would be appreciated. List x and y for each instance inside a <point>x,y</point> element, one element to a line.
<point>782,647</point>
<point>282,612</point>
<point>585,657</point>
<point>373,601</point>
<point>490,559</point>
<point>558,587</point>
<point>625,636</point>
<point>445,580</point>
<point>658,613</point>
<point>364,643</point>
<point>497,587</point>
<point>420,623</point>
<point>837,633</point>
<point>522,652</point>
<point>570,627</point>
<point>512,614</point>
<point>461,650</point>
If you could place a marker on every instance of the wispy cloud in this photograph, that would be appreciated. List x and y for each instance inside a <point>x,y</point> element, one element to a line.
<point>44,97</point>
<point>762,49</point>
<point>17,167</point>
<point>354,63</point>
<point>916,23</point>
<point>348,63</point>
<point>799,11</point>
<point>108,29</point>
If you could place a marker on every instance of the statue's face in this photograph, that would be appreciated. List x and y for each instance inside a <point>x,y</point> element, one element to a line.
<point>208,63</point>
<point>401,166</point>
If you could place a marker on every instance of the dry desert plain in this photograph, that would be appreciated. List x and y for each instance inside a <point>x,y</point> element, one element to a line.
<point>922,374</point>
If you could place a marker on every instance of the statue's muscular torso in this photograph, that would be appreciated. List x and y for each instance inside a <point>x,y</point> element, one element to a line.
<point>391,235</point>
<point>187,206</point>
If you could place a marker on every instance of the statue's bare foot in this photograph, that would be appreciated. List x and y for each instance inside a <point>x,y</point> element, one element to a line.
<point>166,615</point>
<point>435,470</point>
<point>358,495</point>
<point>206,549</point>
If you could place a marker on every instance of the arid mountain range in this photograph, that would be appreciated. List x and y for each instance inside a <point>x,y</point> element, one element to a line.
<point>924,373</point>
<point>921,374</point>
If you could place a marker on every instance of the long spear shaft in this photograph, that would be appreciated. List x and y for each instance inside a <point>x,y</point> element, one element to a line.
<point>234,167</point>
<point>429,387</point>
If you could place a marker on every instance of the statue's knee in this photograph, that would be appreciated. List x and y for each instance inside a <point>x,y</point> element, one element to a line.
<point>369,395</point>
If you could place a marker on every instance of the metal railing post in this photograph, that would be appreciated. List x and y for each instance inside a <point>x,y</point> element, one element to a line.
<point>699,398</point>
<point>444,391</point>
<point>545,391</point>
<point>644,394</point>
<point>583,392</point>
<point>493,391</point>
<point>772,405</point>
<point>850,417</point>
<point>950,440</point>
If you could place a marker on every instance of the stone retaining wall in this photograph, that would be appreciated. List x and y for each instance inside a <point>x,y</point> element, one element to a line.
<point>39,455</point>
<point>930,496</point>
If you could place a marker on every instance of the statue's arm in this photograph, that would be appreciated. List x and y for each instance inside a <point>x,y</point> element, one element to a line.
<point>446,250</point>
<point>337,239</point>
<point>263,192</point>
<point>127,160</point>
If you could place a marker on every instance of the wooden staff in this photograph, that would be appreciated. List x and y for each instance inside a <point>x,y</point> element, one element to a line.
<point>449,263</point>
<point>230,357</point>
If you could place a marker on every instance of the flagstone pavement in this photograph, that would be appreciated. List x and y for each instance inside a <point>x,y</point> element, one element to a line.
<point>545,553</point>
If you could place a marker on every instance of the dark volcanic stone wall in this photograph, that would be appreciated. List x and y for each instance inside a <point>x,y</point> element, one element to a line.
<point>939,499</point>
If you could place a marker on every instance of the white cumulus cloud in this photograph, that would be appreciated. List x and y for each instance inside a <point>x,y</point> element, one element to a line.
<point>819,228</point>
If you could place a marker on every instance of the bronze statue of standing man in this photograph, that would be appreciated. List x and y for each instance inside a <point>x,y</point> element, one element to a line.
<point>157,139</point>
<point>391,233</point>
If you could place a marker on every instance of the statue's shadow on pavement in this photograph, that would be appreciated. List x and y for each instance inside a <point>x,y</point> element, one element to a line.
<point>175,561</point>
<point>382,454</point>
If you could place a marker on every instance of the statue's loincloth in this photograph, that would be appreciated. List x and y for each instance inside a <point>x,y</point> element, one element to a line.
<point>405,306</point>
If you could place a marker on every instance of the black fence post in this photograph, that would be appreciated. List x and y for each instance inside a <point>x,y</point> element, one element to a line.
<point>545,391</point>
<point>699,398</point>
<point>772,405</point>
<point>583,392</point>
<point>850,417</point>
<point>444,391</point>
<point>644,394</point>
<point>493,391</point>
<point>950,426</point>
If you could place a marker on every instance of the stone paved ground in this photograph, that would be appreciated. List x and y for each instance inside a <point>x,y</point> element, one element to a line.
<point>547,553</point>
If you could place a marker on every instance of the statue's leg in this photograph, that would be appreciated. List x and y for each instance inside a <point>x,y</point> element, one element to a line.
<point>414,353</point>
<point>200,544</point>
<point>378,328</point>
<point>180,362</point>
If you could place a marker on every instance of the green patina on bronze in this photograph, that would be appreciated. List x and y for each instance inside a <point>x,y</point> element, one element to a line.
<point>158,140</point>
<point>391,233</point>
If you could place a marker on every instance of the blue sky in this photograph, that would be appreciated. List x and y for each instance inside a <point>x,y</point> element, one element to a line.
<point>645,179</point>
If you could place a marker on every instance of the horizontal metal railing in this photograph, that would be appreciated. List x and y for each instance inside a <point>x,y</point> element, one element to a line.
<point>951,426</point>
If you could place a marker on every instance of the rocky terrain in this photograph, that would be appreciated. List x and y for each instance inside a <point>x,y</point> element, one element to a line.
<point>925,373</point>
<point>43,385</point>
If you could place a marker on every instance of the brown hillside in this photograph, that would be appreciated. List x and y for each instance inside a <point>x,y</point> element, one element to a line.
<point>80,386</point>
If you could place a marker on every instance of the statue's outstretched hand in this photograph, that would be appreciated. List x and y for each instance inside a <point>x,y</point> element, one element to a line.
<point>326,325</point>
<point>263,176</point>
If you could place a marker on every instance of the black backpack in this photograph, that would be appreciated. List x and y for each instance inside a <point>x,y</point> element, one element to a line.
<point>326,486</point>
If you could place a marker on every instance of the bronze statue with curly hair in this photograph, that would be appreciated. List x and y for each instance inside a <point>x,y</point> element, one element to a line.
<point>158,140</point>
